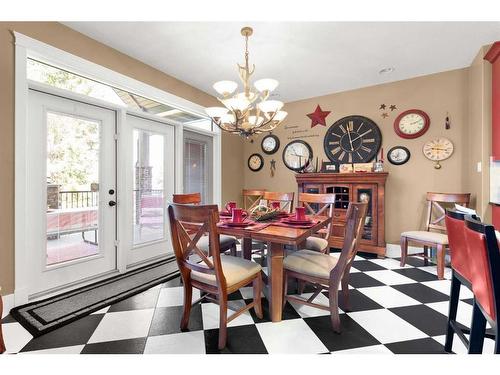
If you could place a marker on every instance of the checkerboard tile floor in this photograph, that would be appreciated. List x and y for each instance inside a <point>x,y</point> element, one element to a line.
<point>393,310</point>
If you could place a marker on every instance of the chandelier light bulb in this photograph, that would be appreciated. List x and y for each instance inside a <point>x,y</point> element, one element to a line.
<point>270,106</point>
<point>216,112</point>
<point>266,84</point>
<point>228,118</point>
<point>237,103</point>
<point>225,87</point>
<point>280,116</point>
<point>255,120</point>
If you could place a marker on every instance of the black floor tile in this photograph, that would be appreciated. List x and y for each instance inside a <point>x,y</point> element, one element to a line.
<point>141,301</point>
<point>167,320</point>
<point>416,274</point>
<point>363,254</point>
<point>240,340</point>
<point>421,293</point>
<point>470,301</point>
<point>361,280</point>
<point>76,333</point>
<point>416,262</point>
<point>235,296</point>
<point>366,265</point>
<point>8,319</point>
<point>352,334</point>
<point>420,346</point>
<point>130,346</point>
<point>357,301</point>
<point>288,312</point>
<point>424,318</point>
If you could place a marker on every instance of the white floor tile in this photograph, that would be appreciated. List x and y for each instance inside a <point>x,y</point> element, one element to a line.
<point>388,297</point>
<point>353,270</point>
<point>386,326</point>
<point>389,277</point>
<point>290,337</point>
<point>15,337</point>
<point>389,263</point>
<point>174,296</point>
<point>444,286</point>
<point>459,348</point>
<point>309,311</point>
<point>104,310</point>
<point>63,350</point>
<point>247,292</point>
<point>373,349</point>
<point>210,314</point>
<point>179,343</point>
<point>123,325</point>
<point>464,312</point>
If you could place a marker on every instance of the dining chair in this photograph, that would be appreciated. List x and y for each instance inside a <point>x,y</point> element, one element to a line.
<point>227,243</point>
<point>285,199</point>
<point>434,235</point>
<point>2,343</point>
<point>215,274</point>
<point>318,204</point>
<point>252,197</point>
<point>485,273</point>
<point>326,271</point>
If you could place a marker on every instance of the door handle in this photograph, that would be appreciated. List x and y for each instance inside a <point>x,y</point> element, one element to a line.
<point>112,203</point>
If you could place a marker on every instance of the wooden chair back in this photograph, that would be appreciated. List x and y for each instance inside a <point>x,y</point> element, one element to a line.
<point>252,197</point>
<point>286,199</point>
<point>355,220</point>
<point>326,204</point>
<point>189,256</point>
<point>436,213</point>
<point>193,198</point>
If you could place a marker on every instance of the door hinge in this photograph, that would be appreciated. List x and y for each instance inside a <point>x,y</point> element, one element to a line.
<point>117,242</point>
<point>115,136</point>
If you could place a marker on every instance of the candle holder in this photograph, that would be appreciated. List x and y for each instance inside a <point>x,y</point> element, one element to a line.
<point>378,166</point>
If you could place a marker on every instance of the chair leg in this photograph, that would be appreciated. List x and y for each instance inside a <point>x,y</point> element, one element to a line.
<point>345,293</point>
<point>404,250</point>
<point>333,297</point>
<point>477,331</point>
<point>426,255</point>
<point>222,320</point>
<point>257,290</point>
<point>497,338</point>
<point>452,312</point>
<point>440,261</point>
<point>232,250</point>
<point>2,344</point>
<point>285,287</point>
<point>301,285</point>
<point>188,294</point>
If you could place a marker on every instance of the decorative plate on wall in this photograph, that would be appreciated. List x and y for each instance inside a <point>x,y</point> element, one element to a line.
<point>398,155</point>
<point>296,154</point>
<point>411,124</point>
<point>255,162</point>
<point>270,144</point>
<point>352,139</point>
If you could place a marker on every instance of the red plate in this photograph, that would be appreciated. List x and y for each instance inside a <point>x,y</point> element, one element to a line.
<point>240,224</point>
<point>297,222</point>
<point>227,214</point>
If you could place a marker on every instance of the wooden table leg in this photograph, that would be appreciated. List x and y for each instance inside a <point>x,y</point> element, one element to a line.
<point>246,248</point>
<point>2,344</point>
<point>275,272</point>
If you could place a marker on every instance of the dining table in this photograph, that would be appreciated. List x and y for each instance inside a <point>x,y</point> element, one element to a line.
<point>276,235</point>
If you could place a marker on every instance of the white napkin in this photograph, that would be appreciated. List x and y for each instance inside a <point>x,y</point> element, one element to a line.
<point>465,210</point>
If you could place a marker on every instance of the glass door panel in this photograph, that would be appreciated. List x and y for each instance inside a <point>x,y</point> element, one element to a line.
<point>365,193</point>
<point>198,165</point>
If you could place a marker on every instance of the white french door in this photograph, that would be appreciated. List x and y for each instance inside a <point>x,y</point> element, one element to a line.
<point>71,179</point>
<point>150,169</point>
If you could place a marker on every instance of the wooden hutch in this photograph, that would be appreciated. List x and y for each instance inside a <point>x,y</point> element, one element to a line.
<point>348,187</point>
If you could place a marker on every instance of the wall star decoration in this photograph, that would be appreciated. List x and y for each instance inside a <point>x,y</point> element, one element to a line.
<point>384,115</point>
<point>392,107</point>
<point>273,167</point>
<point>318,117</point>
<point>382,106</point>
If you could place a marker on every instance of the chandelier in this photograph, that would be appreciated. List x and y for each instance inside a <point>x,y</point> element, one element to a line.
<point>248,112</point>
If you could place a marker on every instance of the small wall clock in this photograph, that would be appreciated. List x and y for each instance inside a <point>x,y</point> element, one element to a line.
<point>398,155</point>
<point>411,123</point>
<point>437,150</point>
<point>352,139</point>
<point>255,162</point>
<point>270,144</point>
<point>296,155</point>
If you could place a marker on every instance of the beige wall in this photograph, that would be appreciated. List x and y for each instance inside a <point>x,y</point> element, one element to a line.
<point>478,134</point>
<point>71,41</point>
<point>436,94</point>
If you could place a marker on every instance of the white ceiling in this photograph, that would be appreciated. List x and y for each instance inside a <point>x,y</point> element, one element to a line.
<point>307,58</point>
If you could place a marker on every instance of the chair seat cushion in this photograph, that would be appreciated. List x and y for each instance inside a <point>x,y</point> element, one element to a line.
<point>439,238</point>
<point>312,263</point>
<point>314,243</point>
<point>226,242</point>
<point>234,269</point>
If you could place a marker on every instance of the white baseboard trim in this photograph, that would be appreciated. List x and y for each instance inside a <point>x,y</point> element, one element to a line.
<point>394,250</point>
<point>8,303</point>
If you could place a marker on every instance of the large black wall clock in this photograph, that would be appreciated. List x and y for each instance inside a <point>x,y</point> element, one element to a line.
<point>352,139</point>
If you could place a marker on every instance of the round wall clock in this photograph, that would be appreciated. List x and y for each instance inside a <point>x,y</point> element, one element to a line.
<point>255,162</point>
<point>437,150</point>
<point>411,124</point>
<point>296,155</point>
<point>398,155</point>
<point>352,139</point>
<point>270,144</point>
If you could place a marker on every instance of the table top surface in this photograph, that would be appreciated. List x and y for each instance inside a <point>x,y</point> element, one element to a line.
<point>277,234</point>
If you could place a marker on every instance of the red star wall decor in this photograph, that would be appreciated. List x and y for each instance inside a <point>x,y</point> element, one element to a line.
<point>318,117</point>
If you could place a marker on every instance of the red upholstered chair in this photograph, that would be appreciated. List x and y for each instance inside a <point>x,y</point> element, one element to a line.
<point>485,274</point>
<point>461,272</point>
